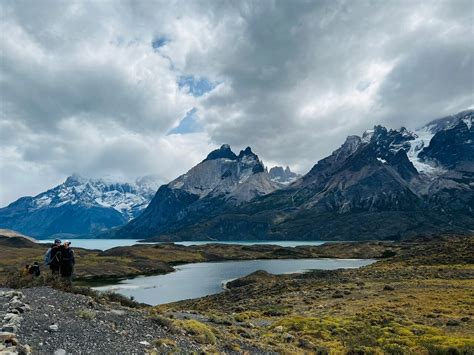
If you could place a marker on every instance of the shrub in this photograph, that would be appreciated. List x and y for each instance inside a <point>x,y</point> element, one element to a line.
<point>123,300</point>
<point>388,254</point>
<point>163,322</point>
<point>20,280</point>
<point>220,320</point>
<point>86,314</point>
<point>167,342</point>
<point>242,317</point>
<point>200,332</point>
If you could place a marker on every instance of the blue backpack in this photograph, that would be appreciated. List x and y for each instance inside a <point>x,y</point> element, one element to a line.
<point>47,257</point>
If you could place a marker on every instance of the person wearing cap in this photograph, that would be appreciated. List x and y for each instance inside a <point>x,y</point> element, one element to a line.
<point>67,262</point>
<point>55,257</point>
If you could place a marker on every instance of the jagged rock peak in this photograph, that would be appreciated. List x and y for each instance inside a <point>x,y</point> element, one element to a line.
<point>444,123</point>
<point>282,176</point>
<point>352,143</point>
<point>247,152</point>
<point>224,152</point>
<point>277,170</point>
<point>367,135</point>
<point>74,179</point>
<point>249,158</point>
<point>379,132</point>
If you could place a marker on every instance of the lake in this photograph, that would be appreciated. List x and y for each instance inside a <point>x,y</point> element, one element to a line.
<point>202,279</point>
<point>104,244</point>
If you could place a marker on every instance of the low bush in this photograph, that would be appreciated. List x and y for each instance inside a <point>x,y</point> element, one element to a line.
<point>85,314</point>
<point>165,342</point>
<point>200,332</point>
<point>163,322</point>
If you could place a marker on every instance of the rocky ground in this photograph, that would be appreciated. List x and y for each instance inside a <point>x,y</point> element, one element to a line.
<point>418,299</point>
<point>57,322</point>
<point>12,310</point>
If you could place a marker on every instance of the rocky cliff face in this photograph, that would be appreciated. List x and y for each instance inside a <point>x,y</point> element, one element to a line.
<point>79,206</point>
<point>283,176</point>
<point>452,147</point>
<point>220,181</point>
<point>385,184</point>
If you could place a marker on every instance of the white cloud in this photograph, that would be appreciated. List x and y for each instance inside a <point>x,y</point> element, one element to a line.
<point>82,89</point>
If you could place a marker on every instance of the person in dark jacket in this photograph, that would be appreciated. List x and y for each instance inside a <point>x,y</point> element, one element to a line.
<point>55,262</point>
<point>67,262</point>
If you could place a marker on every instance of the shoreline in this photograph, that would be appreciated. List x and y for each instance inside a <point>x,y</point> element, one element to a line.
<point>413,299</point>
<point>105,281</point>
<point>113,265</point>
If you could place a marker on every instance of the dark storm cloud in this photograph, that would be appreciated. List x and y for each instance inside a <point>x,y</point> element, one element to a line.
<point>290,78</point>
<point>295,73</point>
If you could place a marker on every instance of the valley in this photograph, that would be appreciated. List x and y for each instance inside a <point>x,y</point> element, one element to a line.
<point>417,298</point>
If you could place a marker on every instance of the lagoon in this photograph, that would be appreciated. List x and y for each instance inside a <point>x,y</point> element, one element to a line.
<point>202,279</point>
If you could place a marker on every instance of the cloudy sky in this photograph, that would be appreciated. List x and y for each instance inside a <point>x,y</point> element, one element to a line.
<point>129,88</point>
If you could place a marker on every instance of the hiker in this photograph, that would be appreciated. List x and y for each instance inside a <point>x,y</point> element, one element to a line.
<point>67,262</point>
<point>53,257</point>
<point>34,269</point>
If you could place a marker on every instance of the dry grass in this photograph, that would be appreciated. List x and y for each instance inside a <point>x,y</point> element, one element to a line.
<point>420,301</point>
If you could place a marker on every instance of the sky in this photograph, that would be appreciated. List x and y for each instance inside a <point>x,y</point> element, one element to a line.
<point>130,88</point>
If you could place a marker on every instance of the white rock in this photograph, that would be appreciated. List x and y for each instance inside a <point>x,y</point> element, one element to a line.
<point>24,349</point>
<point>10,317</point>
<point>118,312</point>
<point>5,336</point>
<point>54,328</point>
<point>144,342</point>
<point>60,352</point>
<point>278,329</point>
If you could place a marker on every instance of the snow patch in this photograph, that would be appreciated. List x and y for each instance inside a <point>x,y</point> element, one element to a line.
<point>421,141</point>
<point>468,122</point>
<point>367,135</point>
<point>127,198</point>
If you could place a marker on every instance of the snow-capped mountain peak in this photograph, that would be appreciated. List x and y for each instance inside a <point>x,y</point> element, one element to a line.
<point>424,135</point>
<point>222,172</point>
<point>127,198</point>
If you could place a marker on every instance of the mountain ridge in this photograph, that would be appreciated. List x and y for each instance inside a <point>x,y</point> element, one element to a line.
<point>369,188</point>
<point>79,206</point>
<point>221,180</point>
<point>422,180</point>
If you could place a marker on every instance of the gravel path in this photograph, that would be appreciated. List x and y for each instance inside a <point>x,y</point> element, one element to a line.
<point>64,323</point>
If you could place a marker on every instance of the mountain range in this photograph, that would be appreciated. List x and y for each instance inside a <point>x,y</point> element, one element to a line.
<point>84,207</point>
<point>383,184</point>
<point>79,206</point>
<point>222,180</point>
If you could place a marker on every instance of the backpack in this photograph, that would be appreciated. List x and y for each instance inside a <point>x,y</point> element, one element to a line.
<point>47,257</point>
